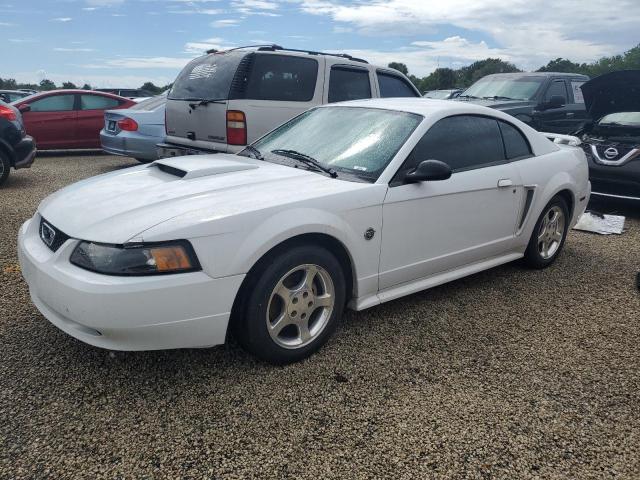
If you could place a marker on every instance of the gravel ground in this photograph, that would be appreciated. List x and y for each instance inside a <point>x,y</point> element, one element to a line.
<point>510,373</point>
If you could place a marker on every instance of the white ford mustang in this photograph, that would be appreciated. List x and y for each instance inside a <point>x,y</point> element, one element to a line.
<point>347,204</point>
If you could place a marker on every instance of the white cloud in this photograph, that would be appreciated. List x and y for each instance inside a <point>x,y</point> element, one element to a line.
<point>199,47</point>
<point>528,32</point>
<point>62,19</point>
<point>228,22</point>
<point>197,11</point>
<point>79,49</point>
<point>141,63</point>
<point>6,24</point>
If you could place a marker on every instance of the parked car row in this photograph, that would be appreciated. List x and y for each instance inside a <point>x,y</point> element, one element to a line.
<point>17,149</point>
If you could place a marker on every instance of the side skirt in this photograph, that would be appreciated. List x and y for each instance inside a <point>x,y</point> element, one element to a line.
<point>429,282</point>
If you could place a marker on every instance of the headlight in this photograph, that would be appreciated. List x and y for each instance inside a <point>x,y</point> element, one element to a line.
<point>136,259</point>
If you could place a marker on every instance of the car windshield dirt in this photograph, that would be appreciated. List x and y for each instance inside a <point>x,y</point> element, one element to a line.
<point>627,119</point>
<point>522,88</point>
<point>206,78</point>
<point>359,141</point>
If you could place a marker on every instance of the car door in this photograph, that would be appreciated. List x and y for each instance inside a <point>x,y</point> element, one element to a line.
<point>556,119</point>
<point>431,227</point>
<point>91,109</point>
<point>52,121</point>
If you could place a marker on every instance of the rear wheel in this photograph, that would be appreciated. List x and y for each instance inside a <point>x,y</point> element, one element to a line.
<point>292,305</point>
<point>549,234</point>
<point>5,167</point>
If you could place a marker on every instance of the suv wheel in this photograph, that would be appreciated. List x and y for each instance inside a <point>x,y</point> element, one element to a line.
<point>5,166</point>
<point>549,234</point>
<point>293,305</point>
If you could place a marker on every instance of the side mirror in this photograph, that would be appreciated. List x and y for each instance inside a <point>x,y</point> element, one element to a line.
<point>428,170</point>
<point>25,107</point>
<point>556,101</point>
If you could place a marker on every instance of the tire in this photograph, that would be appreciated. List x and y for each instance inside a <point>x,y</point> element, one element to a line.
<point>549,234</point>
<point>283,318</point>
<point>144,160</point>
<point>5,167</point>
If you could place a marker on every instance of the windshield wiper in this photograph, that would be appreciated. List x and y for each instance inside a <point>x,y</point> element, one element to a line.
<point>204,101</point>
<point>306,159</point>
<point>467,96</point>
<point>254,151</point>
<point>499,97</point>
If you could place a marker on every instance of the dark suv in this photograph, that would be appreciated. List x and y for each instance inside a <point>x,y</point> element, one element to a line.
<point>547,101</point>
<point>17,149</point>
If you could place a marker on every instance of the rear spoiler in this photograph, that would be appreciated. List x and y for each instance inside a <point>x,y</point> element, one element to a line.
<point>560,139</point>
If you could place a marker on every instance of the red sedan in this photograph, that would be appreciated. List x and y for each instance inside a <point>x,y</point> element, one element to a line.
<point>63,119</point>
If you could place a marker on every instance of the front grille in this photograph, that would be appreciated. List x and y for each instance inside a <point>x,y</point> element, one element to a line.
<point>51,236</point>
<point>608,152</point>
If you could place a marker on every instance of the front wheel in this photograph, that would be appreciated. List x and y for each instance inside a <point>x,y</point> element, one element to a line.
<point>292,305</point>
<point>549,234</point>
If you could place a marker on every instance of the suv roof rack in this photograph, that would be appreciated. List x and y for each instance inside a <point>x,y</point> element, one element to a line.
<point>274,47</point>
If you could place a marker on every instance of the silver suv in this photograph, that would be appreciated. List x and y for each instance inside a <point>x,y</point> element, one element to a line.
<point>222,101</point>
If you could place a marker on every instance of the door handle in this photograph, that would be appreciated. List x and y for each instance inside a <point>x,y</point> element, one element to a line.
<point>570,114</point>
<point>504,183</point>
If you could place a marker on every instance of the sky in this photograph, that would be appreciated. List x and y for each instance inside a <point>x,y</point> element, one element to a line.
<point>124,43</point>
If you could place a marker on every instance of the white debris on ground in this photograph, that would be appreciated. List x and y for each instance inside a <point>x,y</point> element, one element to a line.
<point>599,223</point>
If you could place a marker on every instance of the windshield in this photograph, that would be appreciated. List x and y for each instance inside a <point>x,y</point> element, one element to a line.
<point>206,78</point>
<point>631,119</point>
<point>359,141</point>
<point>150,103</point>
<point>517,88</point>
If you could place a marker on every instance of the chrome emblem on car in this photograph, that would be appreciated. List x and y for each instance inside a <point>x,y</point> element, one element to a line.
<point>47,234</point>
<point>611,153</point>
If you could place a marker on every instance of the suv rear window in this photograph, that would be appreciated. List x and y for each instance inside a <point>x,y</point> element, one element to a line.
<point>207,77</point>
<point>282,77</point>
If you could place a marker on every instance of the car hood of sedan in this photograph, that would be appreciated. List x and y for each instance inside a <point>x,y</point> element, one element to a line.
<point>611,93</point>
<point>116,207</point>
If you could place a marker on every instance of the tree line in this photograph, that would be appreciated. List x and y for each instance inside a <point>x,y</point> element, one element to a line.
<point>447,78</point>
<point>440,78</point>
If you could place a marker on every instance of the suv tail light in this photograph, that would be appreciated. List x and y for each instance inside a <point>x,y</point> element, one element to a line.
<point>8,113</point>
<point>236,128</point>
<point>128,124</point>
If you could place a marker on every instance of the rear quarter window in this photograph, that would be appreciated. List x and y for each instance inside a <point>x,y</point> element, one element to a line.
<point>515,144</point>
<point>281,77</point>
<point>394,86</point>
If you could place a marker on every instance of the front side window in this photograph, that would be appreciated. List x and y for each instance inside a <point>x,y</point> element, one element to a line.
<point>348,84</point>
<point>353,140</point>
<point>505,88</point>
<point>394,86</point>
<point>463,142</point>
<point>53,103</point>
<point>97,102</point>
<point>557,88</point>
<point>282,77</point>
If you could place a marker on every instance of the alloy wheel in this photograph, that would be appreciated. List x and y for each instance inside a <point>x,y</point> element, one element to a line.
<point>300,306</point>
<point>551,232</point>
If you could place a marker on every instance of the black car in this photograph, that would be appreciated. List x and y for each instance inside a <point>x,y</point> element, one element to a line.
<point>17,149</point>
<point>612,139</point>
<point>547,101</point>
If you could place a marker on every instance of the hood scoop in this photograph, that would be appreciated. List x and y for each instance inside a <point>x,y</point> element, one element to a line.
<point>197,166</point>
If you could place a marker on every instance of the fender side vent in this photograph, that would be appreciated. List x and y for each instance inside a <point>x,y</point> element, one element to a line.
<point>527,206</point>
<point>170,170</point>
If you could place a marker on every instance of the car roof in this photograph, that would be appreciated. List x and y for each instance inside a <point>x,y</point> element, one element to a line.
<point>420,106</point>
<point>70,91</point>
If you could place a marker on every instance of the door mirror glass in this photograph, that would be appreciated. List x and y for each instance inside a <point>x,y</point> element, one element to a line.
<point>25,107</point>
<point>428,170</point>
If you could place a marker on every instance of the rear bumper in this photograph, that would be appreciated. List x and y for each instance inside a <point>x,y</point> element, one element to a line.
<point>25,153</point>
<point>124,313</point>
<point>130,145</point>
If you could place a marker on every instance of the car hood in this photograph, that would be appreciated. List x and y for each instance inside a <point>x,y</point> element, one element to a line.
<point>497,104</point>
<point>612,92</point>
<point>119,206</point>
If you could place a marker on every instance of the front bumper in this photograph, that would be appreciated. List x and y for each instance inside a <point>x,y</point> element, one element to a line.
<point>125,313</point>
<point>25,153</point>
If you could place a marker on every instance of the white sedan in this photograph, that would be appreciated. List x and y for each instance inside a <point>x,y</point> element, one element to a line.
<point>348,204</point>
